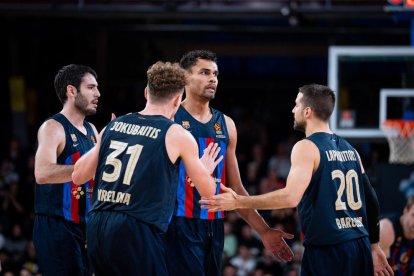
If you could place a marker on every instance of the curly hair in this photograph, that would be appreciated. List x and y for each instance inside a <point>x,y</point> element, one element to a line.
<point>165,80</point>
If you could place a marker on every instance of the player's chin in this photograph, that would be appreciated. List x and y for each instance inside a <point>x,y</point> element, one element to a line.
<point>90,111</point>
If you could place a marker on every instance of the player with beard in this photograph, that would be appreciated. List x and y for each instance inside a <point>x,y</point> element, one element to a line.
<point>61,207</point>
<point>195,237</point>
<point>338,208</point>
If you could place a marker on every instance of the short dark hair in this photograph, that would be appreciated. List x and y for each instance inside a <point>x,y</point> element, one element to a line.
<point>165,80</point>
<point>410,202</point>
<point>71,74</point>
<point>320,98</point>
<point>190,58</point>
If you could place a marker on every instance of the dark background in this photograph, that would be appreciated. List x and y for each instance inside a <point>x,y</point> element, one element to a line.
<point>266,50</point>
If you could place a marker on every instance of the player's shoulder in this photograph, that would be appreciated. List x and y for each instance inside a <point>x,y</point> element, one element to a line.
<point>305,146</point>
<point>177,135</point>
<point>51,125</point>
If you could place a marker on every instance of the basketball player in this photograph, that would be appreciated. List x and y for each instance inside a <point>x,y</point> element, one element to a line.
<point>195,237</point>
<point>136,179</point>
<point>333,194</point>
<point>397,239</point>
<point>61,207</point>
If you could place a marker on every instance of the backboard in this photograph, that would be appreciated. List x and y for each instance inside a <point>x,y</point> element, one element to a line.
<point>358,75</point>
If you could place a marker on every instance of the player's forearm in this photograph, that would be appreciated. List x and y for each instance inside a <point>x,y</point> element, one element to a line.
<point>254,219</point>
<point>251,216</point>
<point>53,174</point>
<point>279,199</point>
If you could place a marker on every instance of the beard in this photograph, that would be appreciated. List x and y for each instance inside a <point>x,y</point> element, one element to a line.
<point>299,126</point>
<point>81,103</point>
<point>208,96</point>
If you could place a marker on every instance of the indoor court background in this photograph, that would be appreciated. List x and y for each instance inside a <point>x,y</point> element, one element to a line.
<point>266,51</point>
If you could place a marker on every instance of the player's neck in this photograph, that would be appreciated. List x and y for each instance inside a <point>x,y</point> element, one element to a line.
<point>313,127</point>
<point>151,109</point>
<point>199,110</point>
<point>74,116</point>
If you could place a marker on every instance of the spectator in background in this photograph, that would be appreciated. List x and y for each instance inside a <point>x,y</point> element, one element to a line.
<point>230,241</point>
<point>244,261</point>
<point>267,265</point>
<point>280,160</point>
<point>397,239</point>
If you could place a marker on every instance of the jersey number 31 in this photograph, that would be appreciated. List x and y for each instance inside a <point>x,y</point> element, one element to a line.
<point>119,147</point>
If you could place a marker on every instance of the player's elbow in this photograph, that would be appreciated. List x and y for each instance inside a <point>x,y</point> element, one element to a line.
<point>207,190</point>
<point>292,201</point>
<point>78,177</point>
<point>210,191</point>
<point>41,177</point>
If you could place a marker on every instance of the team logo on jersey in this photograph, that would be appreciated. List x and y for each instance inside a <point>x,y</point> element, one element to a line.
<point>77,192</point>
<point>217,127</point>
<point>93,139</point>
<point>186,124</point>
<point>219,133</point>
<point>74,139</point>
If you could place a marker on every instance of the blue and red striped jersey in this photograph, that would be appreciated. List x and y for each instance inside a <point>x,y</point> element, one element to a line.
<point>68,200</point>
<point>214,131</point>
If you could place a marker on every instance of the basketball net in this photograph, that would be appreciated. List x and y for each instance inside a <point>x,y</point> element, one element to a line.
<point>400,137</point>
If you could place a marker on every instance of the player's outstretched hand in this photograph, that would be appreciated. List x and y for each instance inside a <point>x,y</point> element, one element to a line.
<point>274,241</point>
<point>209,158</point>
<point>381,266</point>
<point>221,202</point>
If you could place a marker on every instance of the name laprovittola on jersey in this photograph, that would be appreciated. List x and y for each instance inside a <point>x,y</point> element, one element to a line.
<point>135,175</point>
<point>214,131</point>
<point>68,200</point>
<point>332,209</point>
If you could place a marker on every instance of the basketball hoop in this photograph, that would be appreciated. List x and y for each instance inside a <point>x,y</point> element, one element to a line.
<point>400,137</point>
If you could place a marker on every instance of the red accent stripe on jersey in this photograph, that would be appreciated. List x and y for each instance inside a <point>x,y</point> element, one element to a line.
<point>189,197</point>
<point>223,179</point>
<point>210,215</point>
<point>74,202</point>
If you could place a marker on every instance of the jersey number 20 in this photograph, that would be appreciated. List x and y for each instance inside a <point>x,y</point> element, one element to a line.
<point>347,181</point>
<point>119,147</point>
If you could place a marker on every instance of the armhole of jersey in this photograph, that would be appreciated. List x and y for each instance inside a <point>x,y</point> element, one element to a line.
<point>320,155</point>
<point>65,132</point>
<point>177,162</point>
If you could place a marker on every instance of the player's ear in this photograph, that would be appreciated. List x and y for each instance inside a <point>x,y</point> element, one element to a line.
<point>177,100</point>
<point>146,93</point>
<point>308,111</point>
<point>71,91</point>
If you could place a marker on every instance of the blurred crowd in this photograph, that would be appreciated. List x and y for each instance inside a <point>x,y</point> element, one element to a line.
<point>264,167</point>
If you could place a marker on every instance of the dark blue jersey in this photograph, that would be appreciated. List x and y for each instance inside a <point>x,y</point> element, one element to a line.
<point>214,131</point>
<point>332,209</point>
<point>68,200</point>
<point>134,174</point>
<point>402,250</point>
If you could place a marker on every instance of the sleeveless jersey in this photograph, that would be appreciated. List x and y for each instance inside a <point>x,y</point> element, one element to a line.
<point>401,252</point>
<point>68,200</point>
<point>332,209</point>
<point>214,131</point>
<point>135,176</point>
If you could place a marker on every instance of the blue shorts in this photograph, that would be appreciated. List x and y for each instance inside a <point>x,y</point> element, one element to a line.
<point>60,246</point>
<point>195,246</point>
<point>349,258</point>
<point>119,244</point>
